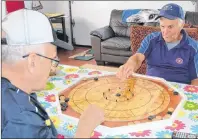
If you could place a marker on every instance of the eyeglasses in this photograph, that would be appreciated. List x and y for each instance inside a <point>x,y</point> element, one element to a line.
<point>55,61</point>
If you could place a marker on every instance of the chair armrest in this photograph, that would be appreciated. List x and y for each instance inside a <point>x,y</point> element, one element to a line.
<point>103,33</point>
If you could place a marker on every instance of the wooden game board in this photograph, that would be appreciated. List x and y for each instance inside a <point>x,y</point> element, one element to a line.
<point>129,102</point>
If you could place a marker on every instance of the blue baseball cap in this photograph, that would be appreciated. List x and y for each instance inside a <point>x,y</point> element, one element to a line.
<point>171,11</point>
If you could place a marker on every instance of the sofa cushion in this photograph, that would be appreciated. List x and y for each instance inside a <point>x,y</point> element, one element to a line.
<point>120,28</point>
<point>116,52</point>
<point>138,33</point>
<point>191,17</point>
<point>117,43</point>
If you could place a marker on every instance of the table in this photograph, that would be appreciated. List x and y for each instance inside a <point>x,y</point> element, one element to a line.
<point>58,18</point>
<point>186,121</point>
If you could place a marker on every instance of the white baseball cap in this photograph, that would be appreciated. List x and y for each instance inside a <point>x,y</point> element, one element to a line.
<point>27,27</point>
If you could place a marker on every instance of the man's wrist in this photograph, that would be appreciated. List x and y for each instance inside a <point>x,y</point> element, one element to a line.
<point>83,131</point>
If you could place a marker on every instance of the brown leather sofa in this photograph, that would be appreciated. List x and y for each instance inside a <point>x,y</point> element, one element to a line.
<point>112,42</point>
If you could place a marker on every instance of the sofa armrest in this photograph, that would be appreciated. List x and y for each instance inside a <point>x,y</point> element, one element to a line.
<point>96,46</point>
<point>103,33</point>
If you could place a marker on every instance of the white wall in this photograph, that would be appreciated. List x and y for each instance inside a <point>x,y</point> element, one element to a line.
<point>3,9</point>
<point>55,7</point>
<point>90,15</point>
<point>48,6</point>
<point>63,7</point>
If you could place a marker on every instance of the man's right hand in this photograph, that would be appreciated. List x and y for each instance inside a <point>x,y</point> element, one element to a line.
<point>131,66</point>
<point>89,120</point>
<point>125,71</point>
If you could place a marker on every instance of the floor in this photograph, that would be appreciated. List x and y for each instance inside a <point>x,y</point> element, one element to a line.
<point>65,54</point>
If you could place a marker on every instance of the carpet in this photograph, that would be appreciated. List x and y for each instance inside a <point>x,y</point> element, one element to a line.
<point>96,67</point>
<point>85,56</point>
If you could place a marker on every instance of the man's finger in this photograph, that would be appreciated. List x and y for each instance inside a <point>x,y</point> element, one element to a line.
<point>129,73</point>
<point>123,72</point>
<point>119,72</point>
<point>126,71</point>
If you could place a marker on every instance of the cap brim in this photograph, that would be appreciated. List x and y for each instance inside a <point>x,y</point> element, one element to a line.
<point>166,16</point>
<point>62,44</point>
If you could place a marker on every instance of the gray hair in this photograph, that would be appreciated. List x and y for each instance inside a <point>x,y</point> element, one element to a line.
<point>12,54</point>
<point>181,22</point>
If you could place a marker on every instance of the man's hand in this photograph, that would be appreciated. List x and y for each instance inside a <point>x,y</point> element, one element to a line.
<point>125,70</point>
<point>89,120</point>
<point>194,82</point>
<point>131,66</point>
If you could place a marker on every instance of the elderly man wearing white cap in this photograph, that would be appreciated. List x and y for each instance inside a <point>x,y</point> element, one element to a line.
<point>27,60</point>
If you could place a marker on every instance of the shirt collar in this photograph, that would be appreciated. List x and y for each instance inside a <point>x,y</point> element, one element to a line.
<point>21,97</point>
<point>182,42</point>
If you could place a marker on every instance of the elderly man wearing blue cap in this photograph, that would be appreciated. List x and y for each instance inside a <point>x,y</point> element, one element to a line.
<point>170,54</point>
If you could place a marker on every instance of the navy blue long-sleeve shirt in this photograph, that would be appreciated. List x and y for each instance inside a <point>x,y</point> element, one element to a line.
<point>22,114</point>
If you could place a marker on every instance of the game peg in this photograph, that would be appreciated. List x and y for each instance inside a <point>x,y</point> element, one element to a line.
<point>169,112</point>
<point>151,117</point>
<point>84,79</point>
<point>170,109</point>
<point>166,116</point>
<point>118,94</point>
<point>131,123</point>
<point>61,97</point>
<point>158,117</point>
<point>116,100</point>
<point>136,122</point>
<point>66,99</point>
<point>175,93</point>
<point>132,94</point>
<point>109,89</point>
<point>106,97</point>
<point>63,108</point>
<point>64,104</point>
<point>62,101</point>
<point>170,89</point>
<point>95,78</point>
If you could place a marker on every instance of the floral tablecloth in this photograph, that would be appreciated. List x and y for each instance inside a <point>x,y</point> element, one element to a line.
<point>187,118</point>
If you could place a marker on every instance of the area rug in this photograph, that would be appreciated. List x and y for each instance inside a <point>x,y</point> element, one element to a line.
<point>85,56</point>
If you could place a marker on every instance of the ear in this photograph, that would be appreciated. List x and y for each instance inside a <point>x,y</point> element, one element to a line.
<point>182,26</point>
<point>32,62</point>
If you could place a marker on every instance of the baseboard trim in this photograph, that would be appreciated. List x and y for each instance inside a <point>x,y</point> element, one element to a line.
<point>78,45</point>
